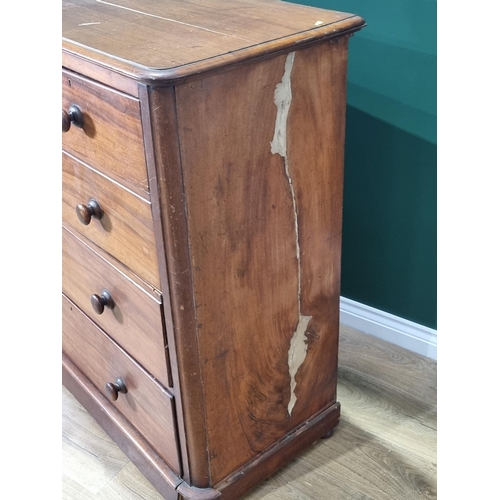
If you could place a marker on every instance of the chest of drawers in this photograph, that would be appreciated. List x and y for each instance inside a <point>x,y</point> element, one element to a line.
<point>202,207</point>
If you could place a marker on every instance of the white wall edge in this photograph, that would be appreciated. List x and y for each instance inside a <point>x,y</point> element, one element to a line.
<point>399,331</point>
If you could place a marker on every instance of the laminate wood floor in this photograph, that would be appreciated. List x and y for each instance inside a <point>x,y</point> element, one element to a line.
<point>383,449</point>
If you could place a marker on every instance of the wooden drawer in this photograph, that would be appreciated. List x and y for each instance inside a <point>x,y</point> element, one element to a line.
<point>111,139</point>
<point>135,321</point>
<point>146,405</point>
<point>126,227</point>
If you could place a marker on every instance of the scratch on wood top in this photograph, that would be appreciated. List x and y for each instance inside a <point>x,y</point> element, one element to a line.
<point>168,19</point>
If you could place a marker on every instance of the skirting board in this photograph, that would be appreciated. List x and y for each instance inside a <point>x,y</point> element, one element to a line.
<point>385,326</point>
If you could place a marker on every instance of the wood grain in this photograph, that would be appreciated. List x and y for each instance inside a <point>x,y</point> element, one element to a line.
<point>78,64</point>
<point>146,405</point>
<point>358,462</point>
<point>315,158</point>
<point>161,140</point>
<point>358,466</point>
<point>143,39</point>
<point>126,229</point>
<point>124,435</point>
<point>245,316</point>
<point>279,454</point>
<point>111,139</point>
<point>135,320</point>
<point>242,208</point>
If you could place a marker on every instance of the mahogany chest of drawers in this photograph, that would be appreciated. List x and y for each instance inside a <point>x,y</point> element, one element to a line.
<point>202,207</point>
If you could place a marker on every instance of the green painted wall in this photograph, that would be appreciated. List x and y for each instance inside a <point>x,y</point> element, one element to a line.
<point>389,248</point>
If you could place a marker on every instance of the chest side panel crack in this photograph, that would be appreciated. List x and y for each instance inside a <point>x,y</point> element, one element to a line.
<point>282,99</point>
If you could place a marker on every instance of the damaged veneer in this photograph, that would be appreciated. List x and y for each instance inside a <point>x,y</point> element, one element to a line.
<point>264,219</point>
<point>282,100</point>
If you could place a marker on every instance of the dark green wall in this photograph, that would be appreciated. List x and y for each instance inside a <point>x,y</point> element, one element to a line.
<point>389,249</point>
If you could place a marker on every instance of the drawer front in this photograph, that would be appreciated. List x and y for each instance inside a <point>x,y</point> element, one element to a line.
<point>125,229</point>
<point>146,405</point>
<point>111,139</point>
<point>134,321</point>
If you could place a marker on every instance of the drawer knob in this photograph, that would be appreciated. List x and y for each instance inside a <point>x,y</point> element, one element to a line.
<point>73,115</point>
<point>99,302</point>
<point>86,212</point>
<point>112,389</point>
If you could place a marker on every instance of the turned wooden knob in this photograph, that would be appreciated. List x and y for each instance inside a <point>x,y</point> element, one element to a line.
<point>86,212</point>
<point>113,389</point>
<point>74,116</point>
<point>99,302</point>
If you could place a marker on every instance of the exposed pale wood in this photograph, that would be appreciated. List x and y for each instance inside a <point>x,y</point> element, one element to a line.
<point>245,317</point>
<point>134,321</point>
<point>243,207</point>
<point>150,463</point>
<point>146,405</point>
<point>315,158</point>
<point>358,462</point>
<point>111,139</point>
<point>158,40</point>
<point>126,228</point>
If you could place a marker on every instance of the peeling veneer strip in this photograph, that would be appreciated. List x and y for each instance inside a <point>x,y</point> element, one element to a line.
<point>297,355</point>
<point>282,100</point>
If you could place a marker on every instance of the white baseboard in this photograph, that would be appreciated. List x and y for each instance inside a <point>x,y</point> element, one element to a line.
<point>385,326</point>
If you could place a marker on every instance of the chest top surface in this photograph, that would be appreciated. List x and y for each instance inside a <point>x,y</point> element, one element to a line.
<point>166,39</point>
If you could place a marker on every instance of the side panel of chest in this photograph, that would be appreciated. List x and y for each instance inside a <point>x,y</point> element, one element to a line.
<point>262,161</point>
